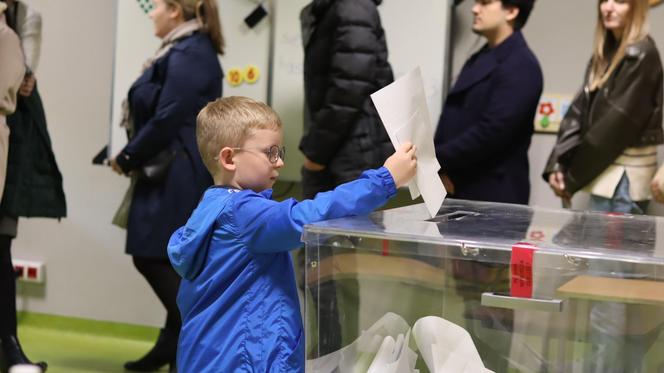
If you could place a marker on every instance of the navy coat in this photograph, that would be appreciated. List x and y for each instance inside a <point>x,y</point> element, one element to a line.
<point>164,102</point>
<point>486,125</point>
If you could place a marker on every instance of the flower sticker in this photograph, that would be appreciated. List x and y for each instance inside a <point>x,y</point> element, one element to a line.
<point>251,74</point>
<point>235,77</point>
<point>546,110</point>
<point>146,5</point>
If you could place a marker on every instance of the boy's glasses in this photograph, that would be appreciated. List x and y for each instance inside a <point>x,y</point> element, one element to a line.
<point>273,153</point>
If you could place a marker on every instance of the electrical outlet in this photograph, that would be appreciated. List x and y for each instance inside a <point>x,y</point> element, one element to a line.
<point>29,271</point>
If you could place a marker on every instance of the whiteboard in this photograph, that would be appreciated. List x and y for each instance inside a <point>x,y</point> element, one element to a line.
<point>416,33</point>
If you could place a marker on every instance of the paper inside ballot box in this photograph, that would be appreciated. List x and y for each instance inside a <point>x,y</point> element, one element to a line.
<point>391,346</point>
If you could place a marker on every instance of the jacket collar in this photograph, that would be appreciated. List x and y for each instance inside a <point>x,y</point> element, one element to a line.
<point>319,7</point>
<point>486,60</point>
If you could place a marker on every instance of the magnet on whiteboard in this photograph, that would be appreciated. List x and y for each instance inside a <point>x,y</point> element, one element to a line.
<point>256,16</point>
<point>235,77</point>
<point>251,74</point>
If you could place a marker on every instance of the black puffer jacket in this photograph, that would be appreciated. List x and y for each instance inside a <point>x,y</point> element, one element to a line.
<point>345,61</point>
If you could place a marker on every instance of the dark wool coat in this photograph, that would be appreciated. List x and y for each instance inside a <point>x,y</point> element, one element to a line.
<point>487,122</point>
<point>164,102</point>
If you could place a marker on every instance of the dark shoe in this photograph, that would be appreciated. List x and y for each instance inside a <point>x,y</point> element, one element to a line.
<point>162,353</point>
<point>12,354</point>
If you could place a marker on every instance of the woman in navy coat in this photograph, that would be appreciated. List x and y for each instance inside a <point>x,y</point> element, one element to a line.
<point>161,110</point>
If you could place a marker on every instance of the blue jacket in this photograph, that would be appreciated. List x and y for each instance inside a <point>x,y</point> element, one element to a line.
<point>238,299</point>
<point>487,122</point>
<point>164,102</point>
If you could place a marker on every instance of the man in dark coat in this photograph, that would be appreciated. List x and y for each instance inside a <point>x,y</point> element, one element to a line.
<point>482,145</point>
<point>345,61</point>
<point>485,129</point>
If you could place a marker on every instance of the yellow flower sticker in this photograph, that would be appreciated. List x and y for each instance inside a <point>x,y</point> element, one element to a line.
<point>235,77</point>
<point>251,74</point>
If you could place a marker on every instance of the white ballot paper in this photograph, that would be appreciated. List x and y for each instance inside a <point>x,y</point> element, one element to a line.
<point>446,347</point>
<point>380,349</point>
<point>402,106</point>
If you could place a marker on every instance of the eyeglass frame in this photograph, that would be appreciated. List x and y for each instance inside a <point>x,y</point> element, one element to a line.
<point>485,2</point>
<point>279,153</point>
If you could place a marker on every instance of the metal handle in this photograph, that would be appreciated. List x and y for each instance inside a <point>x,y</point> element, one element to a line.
<point>517,303</point>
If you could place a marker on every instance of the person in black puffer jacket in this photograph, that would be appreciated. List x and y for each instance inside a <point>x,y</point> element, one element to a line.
<point>345,61</point>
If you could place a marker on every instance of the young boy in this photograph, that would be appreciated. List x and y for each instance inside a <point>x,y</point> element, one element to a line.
<point>238,299</point>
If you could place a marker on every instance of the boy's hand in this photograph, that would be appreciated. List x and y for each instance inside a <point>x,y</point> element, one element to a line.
<point>402,164</point>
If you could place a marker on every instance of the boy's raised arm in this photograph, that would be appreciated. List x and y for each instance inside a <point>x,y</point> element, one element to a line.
<point>269,226</point>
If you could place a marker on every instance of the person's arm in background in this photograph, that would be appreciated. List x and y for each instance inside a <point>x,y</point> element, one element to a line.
<point>352,79</point>
<point>12,68</point>
<point>178,101</point>
<point>657,185</point>
<point>30,29</point>
<point>511,104</point>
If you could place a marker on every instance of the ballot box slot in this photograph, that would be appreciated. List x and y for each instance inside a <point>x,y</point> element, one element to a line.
<point>453,216</point>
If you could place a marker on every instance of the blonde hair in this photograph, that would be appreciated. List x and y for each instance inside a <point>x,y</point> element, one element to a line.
<point>229,121</point>
<point>207,14</point>
<point>608,52</point>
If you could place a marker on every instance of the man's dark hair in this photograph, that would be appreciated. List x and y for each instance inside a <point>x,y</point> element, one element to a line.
<point>524,6</point>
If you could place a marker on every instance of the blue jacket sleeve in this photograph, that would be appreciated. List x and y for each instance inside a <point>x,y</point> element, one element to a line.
<point>269,226</point>
<point>178,103</point>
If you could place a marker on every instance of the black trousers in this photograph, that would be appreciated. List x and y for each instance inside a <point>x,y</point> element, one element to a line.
<point>325,296</point>
<point>7,289</point>
<point>165,282</point>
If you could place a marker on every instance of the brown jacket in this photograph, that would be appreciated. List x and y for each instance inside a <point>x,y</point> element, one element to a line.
<point>625,112</point>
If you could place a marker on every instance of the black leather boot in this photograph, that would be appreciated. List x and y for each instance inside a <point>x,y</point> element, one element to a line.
<point>12,354</point>
<point>162,353</point>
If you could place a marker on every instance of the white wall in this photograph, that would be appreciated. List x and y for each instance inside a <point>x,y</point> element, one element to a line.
<point>88,274</point>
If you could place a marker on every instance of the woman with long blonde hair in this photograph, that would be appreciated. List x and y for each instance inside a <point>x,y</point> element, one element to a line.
<point>607,140</point>
<point>167,173</point>
<point>607,146</point>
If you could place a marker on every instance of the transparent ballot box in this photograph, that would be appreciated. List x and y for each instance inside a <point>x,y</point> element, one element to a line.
<point>484,287</point>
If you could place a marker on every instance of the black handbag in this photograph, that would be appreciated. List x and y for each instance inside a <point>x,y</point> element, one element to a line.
<point>156,169</point>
